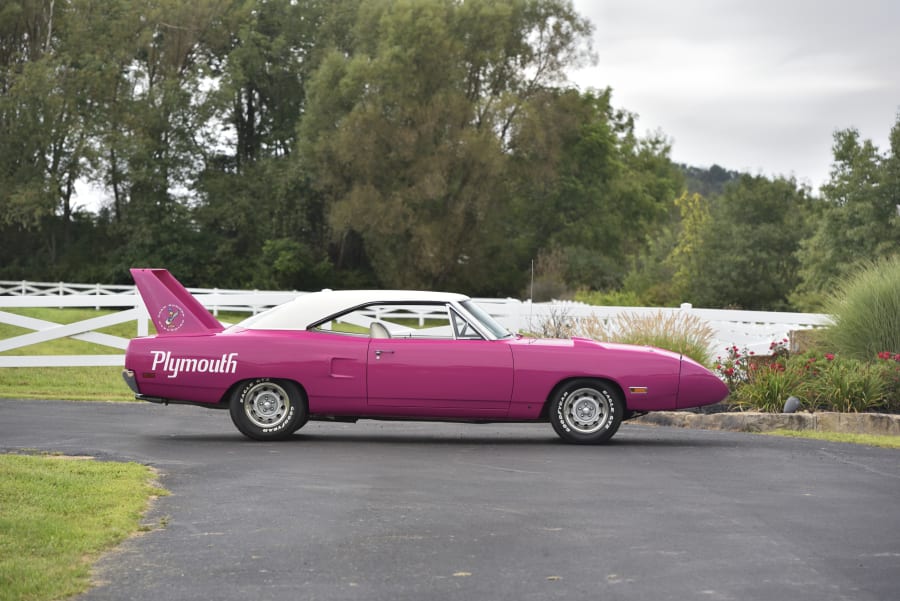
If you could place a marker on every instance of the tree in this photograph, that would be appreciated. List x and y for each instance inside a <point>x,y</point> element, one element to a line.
<point>157,127</point>
<point>588,186</point>
<point>738,250</point>
<point>255,198</point>
<point>859,216</point>
<point>707,182</point>
<point>56,62</point>
<point>45,111</point>
<point>408,135</point>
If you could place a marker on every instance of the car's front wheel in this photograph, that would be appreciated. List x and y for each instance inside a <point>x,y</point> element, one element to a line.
<point>586,411</point>
<point>265,409</point>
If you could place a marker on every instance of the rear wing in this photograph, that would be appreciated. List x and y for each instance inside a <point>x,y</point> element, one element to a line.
<point>172,308</point>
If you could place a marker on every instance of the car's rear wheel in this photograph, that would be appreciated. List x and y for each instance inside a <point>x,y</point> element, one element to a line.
<point>586,411</point>
<point>265,409</point>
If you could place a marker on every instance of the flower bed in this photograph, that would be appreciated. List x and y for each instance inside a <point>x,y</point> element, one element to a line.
<point>821,381</point>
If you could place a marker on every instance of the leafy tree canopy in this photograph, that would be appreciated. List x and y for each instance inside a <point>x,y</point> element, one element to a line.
<point>860,218</point>
<point>397,143</point>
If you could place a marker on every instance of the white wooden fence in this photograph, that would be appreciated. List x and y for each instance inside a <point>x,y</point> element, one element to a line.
<point>754,330</point>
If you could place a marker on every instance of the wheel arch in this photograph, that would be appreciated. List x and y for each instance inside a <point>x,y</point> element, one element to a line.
<point>545,410</point>
<point>232,390</point>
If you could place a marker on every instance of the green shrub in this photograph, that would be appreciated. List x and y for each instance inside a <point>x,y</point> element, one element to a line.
<point>768,386</point>
<point>737,364</point>
<point>866,312</point>
<point>888,368</point>
<point>614,298</point>
<point>848,385</point>
<point>822,382</point>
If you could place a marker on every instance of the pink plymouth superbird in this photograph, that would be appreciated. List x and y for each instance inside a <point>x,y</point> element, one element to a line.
<point>391,354</point>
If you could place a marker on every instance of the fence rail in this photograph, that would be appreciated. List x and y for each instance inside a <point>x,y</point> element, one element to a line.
<point>753,330</point>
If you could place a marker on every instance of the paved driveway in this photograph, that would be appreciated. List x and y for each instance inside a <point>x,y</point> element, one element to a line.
<point>391,511</point>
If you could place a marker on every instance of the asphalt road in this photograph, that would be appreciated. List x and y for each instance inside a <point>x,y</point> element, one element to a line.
<point>394,511</point>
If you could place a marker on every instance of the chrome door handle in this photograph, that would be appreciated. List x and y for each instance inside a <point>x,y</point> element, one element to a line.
<point>378,353</point>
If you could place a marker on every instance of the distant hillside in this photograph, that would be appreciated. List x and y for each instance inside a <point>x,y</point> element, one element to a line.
<point>707,182</point>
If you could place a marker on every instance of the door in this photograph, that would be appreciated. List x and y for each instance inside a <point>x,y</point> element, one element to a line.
<point>440,378</point>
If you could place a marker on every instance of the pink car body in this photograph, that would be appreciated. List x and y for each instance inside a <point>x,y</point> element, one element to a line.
<point>279,369</point>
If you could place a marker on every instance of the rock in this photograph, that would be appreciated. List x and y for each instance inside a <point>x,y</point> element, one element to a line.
<point>791,405</point>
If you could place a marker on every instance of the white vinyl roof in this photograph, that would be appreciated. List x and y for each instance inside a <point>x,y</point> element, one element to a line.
<point>311,308</point>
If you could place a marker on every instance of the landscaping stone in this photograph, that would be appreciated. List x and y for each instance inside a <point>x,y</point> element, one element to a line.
<point>829,422</point>
<point>853,423</point>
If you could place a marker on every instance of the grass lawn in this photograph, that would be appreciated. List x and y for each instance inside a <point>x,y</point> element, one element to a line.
<point>59,514</point>
<point>888,442</point>
<point>66,346</point>
<point>70,383</point>
<point>65,383</point>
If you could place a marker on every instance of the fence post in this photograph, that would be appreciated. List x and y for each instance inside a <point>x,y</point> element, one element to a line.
<point>143,318</point>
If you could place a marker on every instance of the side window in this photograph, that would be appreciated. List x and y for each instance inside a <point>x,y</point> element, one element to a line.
<point>394,320</point>
<point>342,325</point>
<point>462,328</point>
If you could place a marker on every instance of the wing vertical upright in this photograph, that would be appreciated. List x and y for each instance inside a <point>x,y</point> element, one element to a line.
<point>172,308</point>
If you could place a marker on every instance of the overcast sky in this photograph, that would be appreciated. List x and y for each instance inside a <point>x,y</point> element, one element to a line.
<point>752,85</point>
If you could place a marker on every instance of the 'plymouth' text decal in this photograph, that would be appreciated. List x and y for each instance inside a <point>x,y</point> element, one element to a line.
<point>176,365</point>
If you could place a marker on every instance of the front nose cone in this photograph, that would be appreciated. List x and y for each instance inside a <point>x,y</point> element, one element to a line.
<point>698,386</point>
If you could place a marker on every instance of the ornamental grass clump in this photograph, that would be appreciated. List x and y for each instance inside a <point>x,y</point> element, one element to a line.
<point>671,330</point>
<point>595,328</point>
<point>866,312</point>
<point>674,331</point>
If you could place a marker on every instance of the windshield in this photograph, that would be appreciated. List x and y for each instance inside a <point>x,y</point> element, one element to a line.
<point>486,320</point>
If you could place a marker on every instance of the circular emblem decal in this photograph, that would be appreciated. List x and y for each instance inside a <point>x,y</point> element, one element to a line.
<point>170,318</point>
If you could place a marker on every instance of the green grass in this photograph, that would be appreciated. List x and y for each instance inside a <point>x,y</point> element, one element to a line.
<point>70,383</point>
<point>66,346</point>
<point>872,440</point>
<point>58,515</point>
<point>64,383</point>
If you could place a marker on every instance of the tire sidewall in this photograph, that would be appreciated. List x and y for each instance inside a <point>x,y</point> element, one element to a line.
<point>609,427</point>
<point>297,412</point>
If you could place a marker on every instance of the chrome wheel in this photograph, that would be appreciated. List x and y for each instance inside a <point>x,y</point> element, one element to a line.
<point>586,410</point>
<point>267,405</point>
<point>267,409</point>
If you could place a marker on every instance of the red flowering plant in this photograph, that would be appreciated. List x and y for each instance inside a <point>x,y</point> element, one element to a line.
<point>739,364</point>
<point>822,381</point>
<point>734,367</point>
<point>779,351</point>
<point>888,365</point>
<point>770,385</point>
